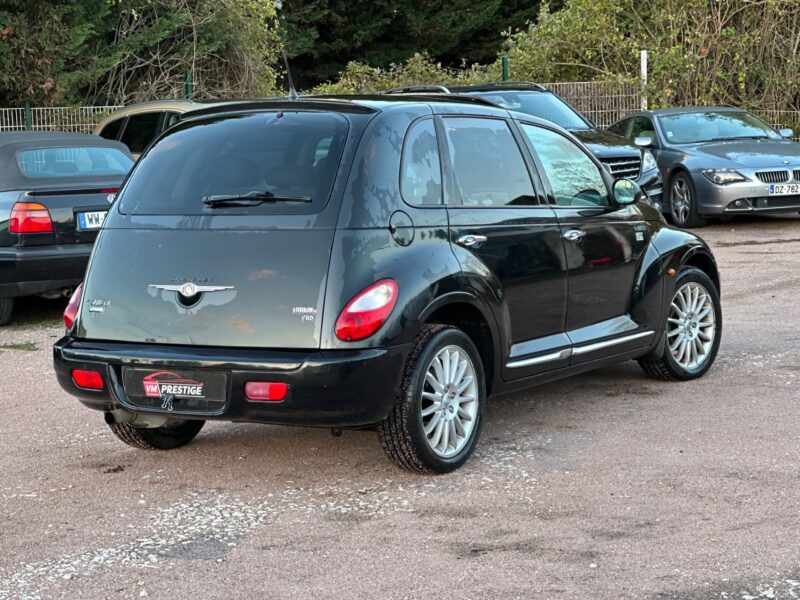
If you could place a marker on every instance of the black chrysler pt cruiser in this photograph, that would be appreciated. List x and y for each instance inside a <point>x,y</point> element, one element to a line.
<point>386,262</point>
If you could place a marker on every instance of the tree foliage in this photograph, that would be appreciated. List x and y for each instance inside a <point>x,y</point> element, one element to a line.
<point>323,36</point>
<point>119,51</point>
<point>738,52</point>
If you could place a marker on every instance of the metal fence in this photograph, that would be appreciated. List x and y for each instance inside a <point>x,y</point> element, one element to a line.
<point>604,102</point>
<point>80,119</point>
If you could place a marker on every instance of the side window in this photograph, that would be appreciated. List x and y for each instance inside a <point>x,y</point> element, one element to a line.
<point>111,131</point>
<point>620,128</point>
<point>573,176</point>
<point>170,118</point>
<point>140,131</point>
<point>642,126</point>
<point>487,162</point>
<point>421,180</point>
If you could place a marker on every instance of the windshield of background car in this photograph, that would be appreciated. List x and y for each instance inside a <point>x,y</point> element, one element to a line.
<point>80,161</point>
<point>688,128</point>
<point>280,153</point>
<point>539,104</point>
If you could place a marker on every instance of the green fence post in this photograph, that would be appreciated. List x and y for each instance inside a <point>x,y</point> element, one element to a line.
<point>504,68</point>
<point>187,84</point>
<point>28,116</point>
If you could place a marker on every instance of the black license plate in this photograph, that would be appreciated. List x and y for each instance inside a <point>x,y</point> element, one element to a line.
<point>176,390</point>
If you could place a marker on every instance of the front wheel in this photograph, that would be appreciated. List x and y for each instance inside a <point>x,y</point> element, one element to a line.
<point>683,202</point>
<point>437,417</point>
<point>172,435</point>
<point>692,332</point>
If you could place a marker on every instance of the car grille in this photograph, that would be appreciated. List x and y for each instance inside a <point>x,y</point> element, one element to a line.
<point>623,168</point>
<point>797,174</point>
<point>773,176</point>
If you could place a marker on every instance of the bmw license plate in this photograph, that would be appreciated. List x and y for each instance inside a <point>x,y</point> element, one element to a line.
<point>91,220</point>
<point>176,390</point>
<point>784,189</point>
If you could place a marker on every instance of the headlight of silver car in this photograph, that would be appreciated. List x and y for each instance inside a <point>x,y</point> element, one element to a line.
<point>723,176</point>
<point>648,161</point>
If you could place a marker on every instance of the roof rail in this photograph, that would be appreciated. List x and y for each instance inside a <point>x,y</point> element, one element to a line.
<point>418,89</point>
<point>501,85</point>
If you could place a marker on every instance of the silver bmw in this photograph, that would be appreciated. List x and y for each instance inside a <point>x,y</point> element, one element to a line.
<point>718,162</point>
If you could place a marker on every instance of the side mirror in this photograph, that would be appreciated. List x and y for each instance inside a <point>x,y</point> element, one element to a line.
<point>643,141</point>
<point>786,132</point>
<point>627,192</point>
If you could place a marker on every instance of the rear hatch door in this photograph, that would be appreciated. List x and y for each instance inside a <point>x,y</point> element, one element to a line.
<point>173,267</point>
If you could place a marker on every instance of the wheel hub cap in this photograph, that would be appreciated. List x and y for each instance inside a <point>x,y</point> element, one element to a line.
<point>449,401</point>
<point>691,326</point>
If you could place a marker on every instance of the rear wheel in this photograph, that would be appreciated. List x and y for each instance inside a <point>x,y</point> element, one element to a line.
<point>6,308</point>
<point>437,417</point>
<point>683,202</point>
<point>169,436</point>
<point>692,332</point>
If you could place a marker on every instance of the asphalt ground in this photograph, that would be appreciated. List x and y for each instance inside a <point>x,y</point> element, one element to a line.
<point>607,485</point>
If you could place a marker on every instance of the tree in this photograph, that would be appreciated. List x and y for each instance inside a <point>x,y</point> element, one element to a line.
<point>323,36</point>
<point>38,40</point>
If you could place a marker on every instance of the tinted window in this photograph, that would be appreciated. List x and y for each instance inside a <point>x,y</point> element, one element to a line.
<point>573,176</point>
<point>421,181</point>
<point>642,126</point>
<point>284,153</point>
<point>111,131</point>
<point>140,131</point>
<point>620,128</point>
<point>73,162</point>
<point>544,105</point>
<point>687,128</point>
<point>170,118</point>
<point>487,162</point>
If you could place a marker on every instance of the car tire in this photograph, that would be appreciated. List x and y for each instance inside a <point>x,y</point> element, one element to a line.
<point>6,308</point>
<point>683,202</point>
<point>672,359</point>
<point>167,437</point>
<point>417,433</point>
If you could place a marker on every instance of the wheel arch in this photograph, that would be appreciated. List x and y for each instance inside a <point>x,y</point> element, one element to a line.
<point>466,312</point>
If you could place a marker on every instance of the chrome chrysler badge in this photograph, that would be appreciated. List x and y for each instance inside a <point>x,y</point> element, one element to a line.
<point>190,289</point>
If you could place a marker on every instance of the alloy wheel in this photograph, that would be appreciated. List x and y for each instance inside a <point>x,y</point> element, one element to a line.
<point>691,326</point>
<point>449,401</point>
<point>680,200</point>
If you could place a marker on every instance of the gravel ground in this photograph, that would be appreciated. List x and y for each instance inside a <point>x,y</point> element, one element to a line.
<point>608,485</point>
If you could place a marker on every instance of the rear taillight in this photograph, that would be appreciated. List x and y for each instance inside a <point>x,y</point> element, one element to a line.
<point>88,380</point>
<point>71,312</point>
<point>109,190</point>
<point>265,391</point>
<point>30,217</point>
<point>365,313</point>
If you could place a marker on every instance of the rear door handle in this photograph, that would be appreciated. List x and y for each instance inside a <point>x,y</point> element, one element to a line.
<point>574,235</point>
<point>471,241</point>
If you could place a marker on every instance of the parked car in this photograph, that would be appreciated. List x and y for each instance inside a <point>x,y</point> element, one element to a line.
<point>139,124</point>
<point>623,159</point>
<point>369,262</point>
<point>718,162</point>
<point>55,190</point>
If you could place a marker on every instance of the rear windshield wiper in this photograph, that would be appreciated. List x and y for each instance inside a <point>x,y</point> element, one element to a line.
<point>253,198</point>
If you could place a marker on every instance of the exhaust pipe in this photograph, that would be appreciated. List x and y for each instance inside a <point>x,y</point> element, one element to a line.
<point>120,416</point>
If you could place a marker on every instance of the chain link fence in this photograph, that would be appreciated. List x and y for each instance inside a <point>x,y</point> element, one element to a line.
<point>604,102</point>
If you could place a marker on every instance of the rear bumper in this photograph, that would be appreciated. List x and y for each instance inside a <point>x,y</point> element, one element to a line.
<point>25,271</point>
<point>326,388</point>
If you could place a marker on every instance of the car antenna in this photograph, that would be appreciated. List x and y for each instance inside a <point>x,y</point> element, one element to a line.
<point>292,92</point>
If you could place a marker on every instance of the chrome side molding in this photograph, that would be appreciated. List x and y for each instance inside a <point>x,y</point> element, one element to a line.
<point>577,351</point>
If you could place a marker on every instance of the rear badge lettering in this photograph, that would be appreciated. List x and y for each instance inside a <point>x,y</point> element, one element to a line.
<point>307,313</point>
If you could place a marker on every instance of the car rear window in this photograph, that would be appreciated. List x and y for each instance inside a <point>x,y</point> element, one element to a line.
<point>282,153</point>
<point>64,162</point>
